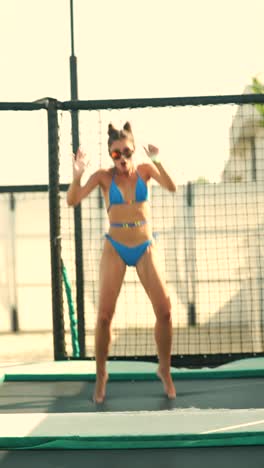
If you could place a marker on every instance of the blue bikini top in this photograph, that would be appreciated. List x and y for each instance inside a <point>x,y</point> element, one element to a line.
<point>116,197</point>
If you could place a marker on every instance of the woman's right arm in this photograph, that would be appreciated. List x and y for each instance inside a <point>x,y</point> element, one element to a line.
<point>76,192</point>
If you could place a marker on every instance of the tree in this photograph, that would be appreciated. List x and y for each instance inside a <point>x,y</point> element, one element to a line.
<point>258,88</point>
<point>202,180</point>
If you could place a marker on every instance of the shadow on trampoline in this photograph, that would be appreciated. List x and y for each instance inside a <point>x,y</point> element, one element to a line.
<point>63,397</point>
<point>76,396</point>
<point>229,457</point>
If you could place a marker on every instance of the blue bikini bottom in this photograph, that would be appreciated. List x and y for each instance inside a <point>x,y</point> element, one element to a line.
<point>130,255</point>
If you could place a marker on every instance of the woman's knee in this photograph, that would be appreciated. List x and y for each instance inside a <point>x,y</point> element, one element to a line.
<point>105,316</point>
<point>163,311</point>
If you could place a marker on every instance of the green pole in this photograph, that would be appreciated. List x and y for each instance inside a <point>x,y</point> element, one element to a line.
<point>73,321</point>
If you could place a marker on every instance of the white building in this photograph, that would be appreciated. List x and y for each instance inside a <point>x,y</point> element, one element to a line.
<point>246,161</point>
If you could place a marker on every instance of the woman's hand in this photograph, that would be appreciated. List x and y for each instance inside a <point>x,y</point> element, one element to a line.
<point>79,163</point>
<point>151,151</point>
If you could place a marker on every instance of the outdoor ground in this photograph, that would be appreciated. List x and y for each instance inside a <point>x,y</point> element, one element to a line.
<point>26,347</point>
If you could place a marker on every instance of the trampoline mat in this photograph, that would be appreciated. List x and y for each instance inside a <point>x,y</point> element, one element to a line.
<point>229,457</point>
<point>75,396</point>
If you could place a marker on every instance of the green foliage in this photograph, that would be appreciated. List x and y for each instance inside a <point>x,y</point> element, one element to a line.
<point>201,180</point>
<point>258,88</point>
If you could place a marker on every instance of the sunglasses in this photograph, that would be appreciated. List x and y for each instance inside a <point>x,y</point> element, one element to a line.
<point>116,154</point>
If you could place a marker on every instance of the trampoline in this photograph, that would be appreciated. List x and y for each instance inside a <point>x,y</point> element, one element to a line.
<point>48,417</point>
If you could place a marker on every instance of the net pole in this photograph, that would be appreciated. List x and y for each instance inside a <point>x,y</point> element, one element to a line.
<point>189,240</point>
<point>191,250</point>
<point>78,209</point>
<point>14,310</point>
<point>55,233</point>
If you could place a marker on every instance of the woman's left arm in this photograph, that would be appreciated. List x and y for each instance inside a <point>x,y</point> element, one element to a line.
<point>157,171</point>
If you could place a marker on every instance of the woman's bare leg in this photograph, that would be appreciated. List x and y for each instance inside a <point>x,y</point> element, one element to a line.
<point>111,275</point>
<point>150,277</point>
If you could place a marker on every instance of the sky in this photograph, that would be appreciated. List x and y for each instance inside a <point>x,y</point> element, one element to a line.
<point>144,48</point>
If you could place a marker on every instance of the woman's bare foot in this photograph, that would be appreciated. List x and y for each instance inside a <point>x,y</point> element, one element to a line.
<point>99,393</point>
<point>168,384</point>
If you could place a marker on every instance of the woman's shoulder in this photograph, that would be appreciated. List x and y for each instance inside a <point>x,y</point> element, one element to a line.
<point>105,175</point>
<point>143,170</point>
<point>105,172</point>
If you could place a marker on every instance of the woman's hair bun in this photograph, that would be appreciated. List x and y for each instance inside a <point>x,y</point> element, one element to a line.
<point>127,127</point>
<point>114,134</point>
<point>111,129</point>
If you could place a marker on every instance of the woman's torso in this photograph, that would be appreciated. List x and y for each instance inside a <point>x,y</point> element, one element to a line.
<point>126,200</point>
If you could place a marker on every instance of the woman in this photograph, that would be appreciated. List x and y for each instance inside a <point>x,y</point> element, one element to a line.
<point>128,242</point>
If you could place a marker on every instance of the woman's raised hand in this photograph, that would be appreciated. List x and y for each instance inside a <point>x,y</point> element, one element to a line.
<point>151,150</point>
<point>79,163</point>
